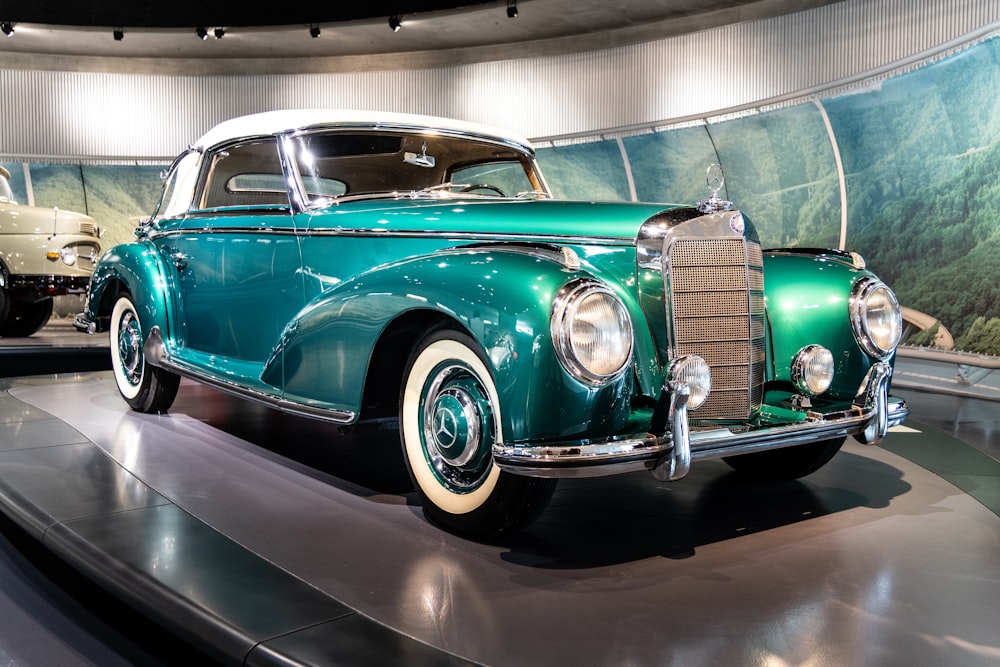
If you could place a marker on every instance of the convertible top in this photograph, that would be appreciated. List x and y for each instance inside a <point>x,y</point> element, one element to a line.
<point>273,122</point>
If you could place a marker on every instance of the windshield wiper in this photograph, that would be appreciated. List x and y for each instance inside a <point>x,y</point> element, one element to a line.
<point>436,190</point>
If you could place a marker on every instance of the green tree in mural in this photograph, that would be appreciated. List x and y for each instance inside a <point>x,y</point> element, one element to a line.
<point>983,337</point>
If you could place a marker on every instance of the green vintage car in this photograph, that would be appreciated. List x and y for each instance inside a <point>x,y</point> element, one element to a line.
<point>359,266</point>
<point>44,252</point>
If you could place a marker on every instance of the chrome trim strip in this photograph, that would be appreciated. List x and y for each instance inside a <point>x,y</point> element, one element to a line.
<point>644,450</point>
<point>155,352</point>
<point>371,233</point>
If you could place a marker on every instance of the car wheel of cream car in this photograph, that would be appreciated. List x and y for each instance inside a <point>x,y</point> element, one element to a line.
<point>25,317</point>
<point>449,420</point>
<point>145,388</point>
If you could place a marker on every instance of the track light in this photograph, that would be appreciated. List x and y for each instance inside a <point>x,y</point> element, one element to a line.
<point>201,32</point>
<point>7,27</point>
<point>119,34</point>
<point>511,8</point>
<point>219,32</point>
<point>314,31</point>
<point>395,22</point>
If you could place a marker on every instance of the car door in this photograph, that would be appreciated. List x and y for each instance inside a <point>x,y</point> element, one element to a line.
<point>236,261</point>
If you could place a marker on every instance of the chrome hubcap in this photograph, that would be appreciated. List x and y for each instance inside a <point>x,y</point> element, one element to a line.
<point>457,424</point>
<point>130,347</point>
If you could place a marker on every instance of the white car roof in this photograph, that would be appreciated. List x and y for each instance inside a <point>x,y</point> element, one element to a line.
<point>273,122</point>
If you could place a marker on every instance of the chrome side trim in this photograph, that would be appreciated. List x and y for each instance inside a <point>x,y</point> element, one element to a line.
<point>155,352</point>
<point>866,421</point>
<point>372,233</point>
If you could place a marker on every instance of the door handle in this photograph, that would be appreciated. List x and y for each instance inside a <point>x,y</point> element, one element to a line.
<point>180,260</point>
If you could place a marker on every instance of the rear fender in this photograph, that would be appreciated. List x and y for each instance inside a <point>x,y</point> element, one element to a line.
<point>135,268</point>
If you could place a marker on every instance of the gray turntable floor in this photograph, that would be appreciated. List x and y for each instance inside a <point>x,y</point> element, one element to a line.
<point>873,560</point>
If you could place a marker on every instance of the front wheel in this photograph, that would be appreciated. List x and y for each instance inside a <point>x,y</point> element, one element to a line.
<point>788,462</point>
<point>449,420</point>
<point>145,388</point>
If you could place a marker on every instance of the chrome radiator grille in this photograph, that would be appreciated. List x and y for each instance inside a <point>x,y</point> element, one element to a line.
<point>716,290</point>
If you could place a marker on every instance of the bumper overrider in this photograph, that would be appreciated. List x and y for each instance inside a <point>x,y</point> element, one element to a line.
<point>670,446</point>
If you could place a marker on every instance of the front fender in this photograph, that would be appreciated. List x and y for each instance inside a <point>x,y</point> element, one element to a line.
<point>502,299</point>
<point>137,269</point>
<point>808,302</point>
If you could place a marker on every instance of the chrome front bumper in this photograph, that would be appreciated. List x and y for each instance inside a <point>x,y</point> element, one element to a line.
<point>669,455</point>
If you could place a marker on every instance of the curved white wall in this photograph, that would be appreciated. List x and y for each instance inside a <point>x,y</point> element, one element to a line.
<point>59,115</point>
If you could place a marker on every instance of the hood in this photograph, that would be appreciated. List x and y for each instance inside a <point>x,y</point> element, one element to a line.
<point>16,219</point>
<point>522,219</point>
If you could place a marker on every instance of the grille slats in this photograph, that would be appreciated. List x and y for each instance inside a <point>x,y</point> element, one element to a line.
<point>716,291</point>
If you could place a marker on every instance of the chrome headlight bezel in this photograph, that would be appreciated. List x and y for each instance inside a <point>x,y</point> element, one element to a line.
<point>576,315</point>
<point>813,369</point>
<point>876,317</point>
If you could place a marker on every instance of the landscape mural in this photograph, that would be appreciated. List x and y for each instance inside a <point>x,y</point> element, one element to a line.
<point>920,152</point>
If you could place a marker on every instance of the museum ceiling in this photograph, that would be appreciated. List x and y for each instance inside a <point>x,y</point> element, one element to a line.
<point>151,28</point>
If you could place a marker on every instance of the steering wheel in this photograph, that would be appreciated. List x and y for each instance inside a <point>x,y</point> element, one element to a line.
<point>483,186</point>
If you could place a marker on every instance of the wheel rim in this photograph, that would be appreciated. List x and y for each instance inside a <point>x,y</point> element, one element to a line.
<point>457,427</point>
<point>130,348</point>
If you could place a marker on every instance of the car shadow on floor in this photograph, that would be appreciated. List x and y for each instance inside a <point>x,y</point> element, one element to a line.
<point>590,522</point>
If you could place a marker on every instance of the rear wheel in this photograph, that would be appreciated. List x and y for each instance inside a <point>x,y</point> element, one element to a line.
<point>25,317</point>
<point>788,462</point>
<point>449,420</point>
<point>145,388</point>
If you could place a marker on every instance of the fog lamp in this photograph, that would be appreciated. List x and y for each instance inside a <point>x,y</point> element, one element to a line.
<point>695,373</point>
<point>812,369</point>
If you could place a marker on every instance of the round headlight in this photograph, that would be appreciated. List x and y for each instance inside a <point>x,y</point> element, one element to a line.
<point>68,255</point>
<point>696,374</point>
<point>591,331</point>
<point>876,317</point>
<point>812,369</point>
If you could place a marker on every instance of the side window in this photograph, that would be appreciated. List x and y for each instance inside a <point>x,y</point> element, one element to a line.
<point>247,174</point>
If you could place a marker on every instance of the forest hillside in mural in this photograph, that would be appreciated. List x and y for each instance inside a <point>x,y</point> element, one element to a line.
<point>920,156</point>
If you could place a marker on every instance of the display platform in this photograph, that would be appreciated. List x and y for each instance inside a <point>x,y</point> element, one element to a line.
<point>265,539</point>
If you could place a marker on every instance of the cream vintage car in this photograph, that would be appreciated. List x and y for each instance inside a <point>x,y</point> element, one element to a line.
<point>44,252</point>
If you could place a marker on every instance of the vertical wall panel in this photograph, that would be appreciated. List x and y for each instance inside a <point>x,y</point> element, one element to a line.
<point>51,115</point>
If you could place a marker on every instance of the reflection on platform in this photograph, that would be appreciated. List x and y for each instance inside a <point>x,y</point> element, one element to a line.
<point>873,555</point>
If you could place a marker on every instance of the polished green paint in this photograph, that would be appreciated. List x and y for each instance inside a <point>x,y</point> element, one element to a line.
<point>293,306</point>
<point>808,301</point>
<point>500,296</point>
<point>138,269</point>
<point>527,218</point>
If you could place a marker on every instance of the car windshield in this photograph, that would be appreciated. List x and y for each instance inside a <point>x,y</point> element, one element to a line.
<point>345,164</point>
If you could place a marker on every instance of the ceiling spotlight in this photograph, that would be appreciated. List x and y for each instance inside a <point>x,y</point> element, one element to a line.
<point>202,33</point>
<point>7,27</point>
<point>314,31</point>
<point>395,22</point>
<point>511,8</point>
<point>219,32</point>
<point>119,34</point>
